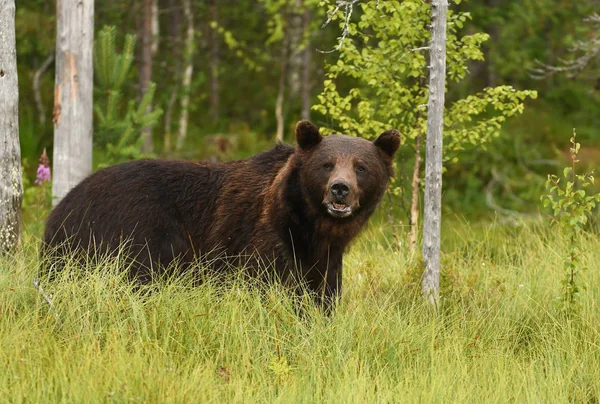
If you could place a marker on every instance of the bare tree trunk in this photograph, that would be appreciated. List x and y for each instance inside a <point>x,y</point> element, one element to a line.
<point>145,68</point>
<point>281,92</point>
<point>174,33</point>
<point>414,206</point>
<point>73,95</point>
<point>187,75</point>
<point>214,64</point>
<point>306,64</point>
<point>11,188</point>
<point>433,159</point>
<point>296,48</point>
<point>36,88</point>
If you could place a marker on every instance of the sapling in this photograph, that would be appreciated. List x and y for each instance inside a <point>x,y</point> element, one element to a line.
<point>571,208</point>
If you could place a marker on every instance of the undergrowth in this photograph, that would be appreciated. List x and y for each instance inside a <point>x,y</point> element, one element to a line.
<point>497,338</point>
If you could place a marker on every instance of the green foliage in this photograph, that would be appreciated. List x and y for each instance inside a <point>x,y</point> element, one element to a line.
<point>119,134</point>
<point>571,206</point>
<point>385,57</point>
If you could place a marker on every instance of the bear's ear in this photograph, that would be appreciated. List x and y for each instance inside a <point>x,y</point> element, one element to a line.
<point>307,135</point>
<point>388,142</point>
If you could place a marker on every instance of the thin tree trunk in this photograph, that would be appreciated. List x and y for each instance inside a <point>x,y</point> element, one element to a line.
<point>187,75</point>
<point>147,42</point>
<point>433,159</point>
<point>73,95</point>
<point>296,34</point>
<point>36,89</point>
<point>214,63</point>
<point>281,91</point>
<point>11,188</point>
<point>306,64</point>
<point>414,206</point>
<point>174,33</point>
<point>168,121</point>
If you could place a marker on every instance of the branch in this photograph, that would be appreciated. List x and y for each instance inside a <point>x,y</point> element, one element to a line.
<point>590,49</point>
<point>348,6</point>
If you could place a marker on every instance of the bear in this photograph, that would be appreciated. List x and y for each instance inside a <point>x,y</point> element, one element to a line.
<point>291,209</point>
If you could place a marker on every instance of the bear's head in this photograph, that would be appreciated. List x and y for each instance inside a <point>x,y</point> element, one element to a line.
<point>344,176</point>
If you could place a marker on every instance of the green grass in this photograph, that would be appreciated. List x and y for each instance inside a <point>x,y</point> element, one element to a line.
<point>498,337</point>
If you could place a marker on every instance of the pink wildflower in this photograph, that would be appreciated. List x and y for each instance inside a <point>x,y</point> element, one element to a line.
<point>43,171</point>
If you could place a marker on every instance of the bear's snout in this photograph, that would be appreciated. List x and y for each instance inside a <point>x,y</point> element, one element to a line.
<point>340,190</point>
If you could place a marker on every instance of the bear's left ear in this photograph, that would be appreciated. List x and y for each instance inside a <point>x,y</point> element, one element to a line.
<point>307,135</point>
<point>388,142</point>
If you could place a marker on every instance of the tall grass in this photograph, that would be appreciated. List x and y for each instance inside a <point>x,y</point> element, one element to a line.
<point>498,336</point>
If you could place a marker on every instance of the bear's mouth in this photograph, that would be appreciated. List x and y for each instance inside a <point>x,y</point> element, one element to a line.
<point>336,209</point>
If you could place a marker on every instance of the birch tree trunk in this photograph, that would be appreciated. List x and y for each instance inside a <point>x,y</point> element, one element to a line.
<point>187,74</point>
<point>432,213</point>
<point>73,95</point>
<point>11,188</point>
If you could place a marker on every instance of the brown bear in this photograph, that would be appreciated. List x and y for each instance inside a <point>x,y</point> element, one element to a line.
<point>290,210</point>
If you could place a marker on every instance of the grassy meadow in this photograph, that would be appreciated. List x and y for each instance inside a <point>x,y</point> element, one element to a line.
<point>499,334</point>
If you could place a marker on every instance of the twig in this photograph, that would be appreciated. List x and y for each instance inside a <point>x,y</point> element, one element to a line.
<point>38,286</point>
<point>348,9</point>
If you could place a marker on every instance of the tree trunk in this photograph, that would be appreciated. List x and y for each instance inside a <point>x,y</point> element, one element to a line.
<point>414,206</point>
<point>73,95</point>
<point>281,91</point>
<point>11,188</point>
<point>296,49</point>
<point>145,64</point>
<point>433,158</point>
<point>187,75</point>
<point>174,35</point>
<point>214,63</point>
<point>36,88</point>
<point>306,64</point>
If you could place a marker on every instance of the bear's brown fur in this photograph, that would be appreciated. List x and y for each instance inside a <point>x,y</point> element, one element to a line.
<point>291,209</point>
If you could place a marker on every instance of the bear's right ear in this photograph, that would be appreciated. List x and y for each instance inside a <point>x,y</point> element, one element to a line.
<point>388,142</point>
<point>307,135</point>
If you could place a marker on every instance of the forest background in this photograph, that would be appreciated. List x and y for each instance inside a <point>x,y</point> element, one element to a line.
<point>259,65</point>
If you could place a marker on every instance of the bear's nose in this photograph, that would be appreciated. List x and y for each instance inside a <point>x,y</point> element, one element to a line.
<point>340,189</point>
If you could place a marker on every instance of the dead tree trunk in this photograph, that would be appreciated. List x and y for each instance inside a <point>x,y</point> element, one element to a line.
<point>187,74</point>
<point>11,188</point>
<point>433,158</point>
<point>214,63</point>
<point>145,64</point>
<point>73,95</point>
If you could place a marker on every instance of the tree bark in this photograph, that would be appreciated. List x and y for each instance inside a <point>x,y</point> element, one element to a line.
<point>145,64</point>
<point>281,92</point>
<point>73,95</point>
<point>214,64</point>
<point>11,188</point>
<point>414,206</point>
<point>187,75</point>
<point>306,64</point>
<point>433,159</point>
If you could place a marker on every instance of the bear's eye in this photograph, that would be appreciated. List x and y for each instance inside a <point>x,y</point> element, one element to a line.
<point>328,166</point>
<point>361,168</point>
